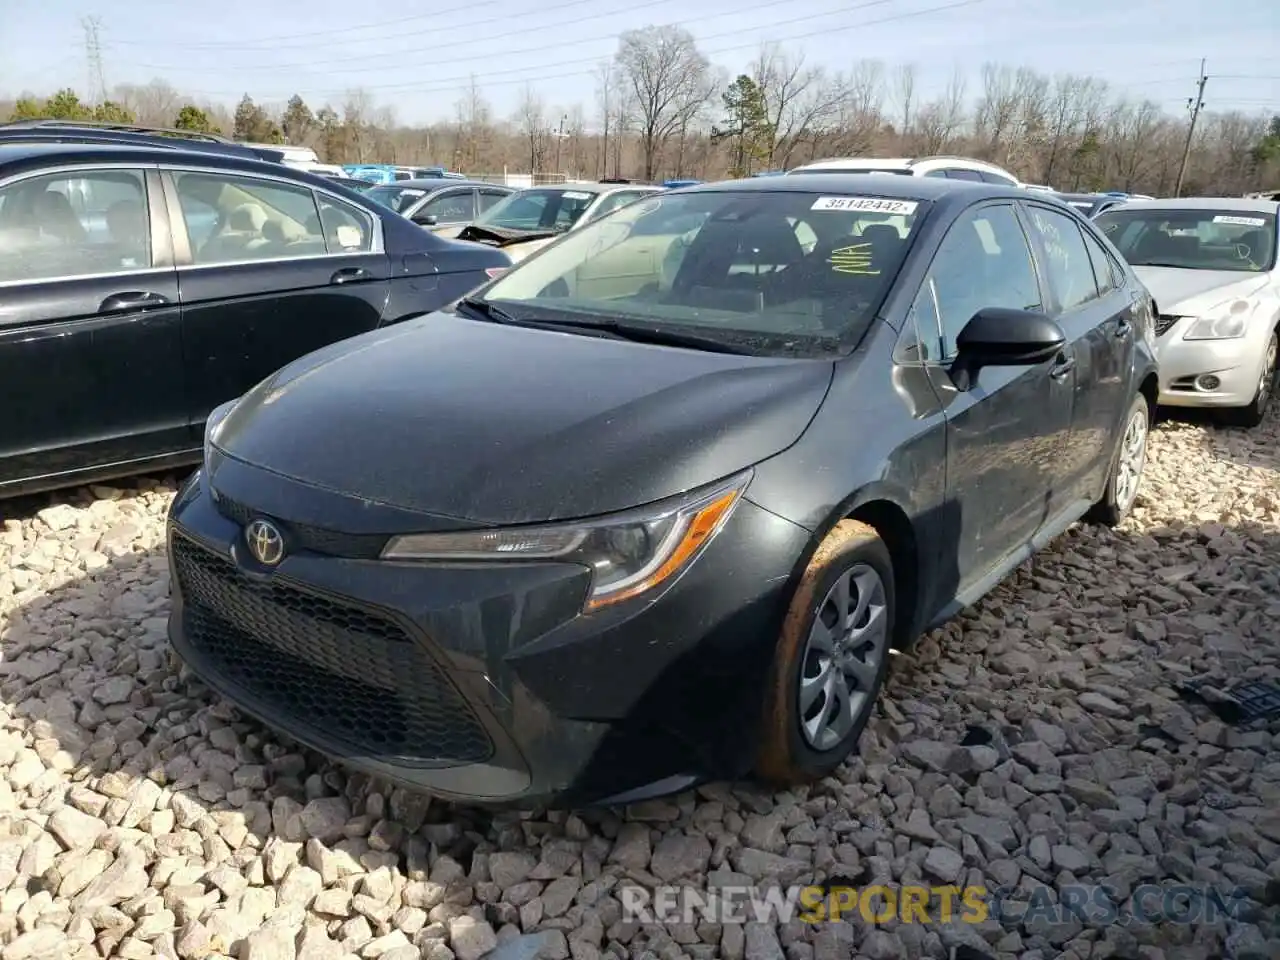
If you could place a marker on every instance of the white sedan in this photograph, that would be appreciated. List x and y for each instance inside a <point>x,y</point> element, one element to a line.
<point>1210,264</point>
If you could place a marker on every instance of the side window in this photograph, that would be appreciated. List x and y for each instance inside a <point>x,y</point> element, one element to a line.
<point>74,225</point>
<point>525,213</point>
<point>1104,270</point>
<point>346,228</point>
<point>995,178</point>
<point>971,175</point>
<point>455,207</point>
<point>251,219</point>
<point>1069,266</point>
<point>937,174</point>
<point>490,197</point>
<point>983,261</point>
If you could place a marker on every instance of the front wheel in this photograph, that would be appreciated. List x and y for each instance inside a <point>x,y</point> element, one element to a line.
<point>1127,465</point>
<point>831,658</point>
<point>1253,414</point>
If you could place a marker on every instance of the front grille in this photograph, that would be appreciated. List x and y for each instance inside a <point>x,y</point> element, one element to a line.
<point>1164,322</point>
<point>357,546</point>
<point>349,675</point>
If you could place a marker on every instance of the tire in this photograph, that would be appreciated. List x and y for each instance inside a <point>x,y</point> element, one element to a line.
<point>1118,498</point>
<point>787,755</point>
<point>1253,414</point>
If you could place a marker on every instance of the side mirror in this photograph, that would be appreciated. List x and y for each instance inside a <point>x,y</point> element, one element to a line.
<point>427,220</point>
<point>1000,337</point>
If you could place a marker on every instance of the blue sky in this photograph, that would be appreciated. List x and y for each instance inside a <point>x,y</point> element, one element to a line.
<point>418,63</point>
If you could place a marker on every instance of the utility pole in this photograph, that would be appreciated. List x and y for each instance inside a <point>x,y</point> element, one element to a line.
<point>560,140</point>
<point>93,60</point>
<point>1195,105</point>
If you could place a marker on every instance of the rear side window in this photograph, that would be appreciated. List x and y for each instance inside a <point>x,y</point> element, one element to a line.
<point>346,228</point>
<point>231,219</point>
<point>989,177</point>
<point>74,225</point>
<point>1069,265</point>
<point>1105,271</point>
<point>971,175</point>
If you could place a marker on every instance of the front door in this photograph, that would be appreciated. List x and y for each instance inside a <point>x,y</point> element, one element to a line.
<point>90,343</point>
<point>268,271</point>
<point>447,212</point>
<point>1006,429</point>
<point>1099,320</point>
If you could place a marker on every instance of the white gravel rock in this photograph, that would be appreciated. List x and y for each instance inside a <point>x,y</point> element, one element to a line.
<point>1038,739</point>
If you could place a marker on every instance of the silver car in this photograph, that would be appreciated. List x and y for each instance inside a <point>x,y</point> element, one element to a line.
<point>443,206</point>
<point>1210,264</point>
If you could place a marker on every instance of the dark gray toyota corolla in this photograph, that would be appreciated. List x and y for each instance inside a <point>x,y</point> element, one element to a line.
<point>652,507</point>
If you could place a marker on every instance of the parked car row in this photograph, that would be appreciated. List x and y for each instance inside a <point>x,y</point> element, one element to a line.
<point>452,490</point>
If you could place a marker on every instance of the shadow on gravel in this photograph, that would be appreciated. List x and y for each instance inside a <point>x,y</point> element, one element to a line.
<point>186,782</point>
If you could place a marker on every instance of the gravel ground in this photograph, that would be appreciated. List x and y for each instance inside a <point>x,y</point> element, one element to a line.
<point>139,816</point>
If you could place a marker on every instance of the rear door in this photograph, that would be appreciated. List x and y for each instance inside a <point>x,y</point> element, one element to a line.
<point>90,342</point>
<point>268,270</point>
<point>1098,319</point>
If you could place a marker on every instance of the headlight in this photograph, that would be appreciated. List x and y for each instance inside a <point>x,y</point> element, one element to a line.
<point>628,553</point>
<point>211,426</point>
<point>1229,325</point>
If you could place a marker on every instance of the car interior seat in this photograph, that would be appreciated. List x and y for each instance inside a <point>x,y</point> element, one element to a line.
<point>1158,245</point>
<point>717,268</point>
<point>57,219</point>
<point>241,234</point>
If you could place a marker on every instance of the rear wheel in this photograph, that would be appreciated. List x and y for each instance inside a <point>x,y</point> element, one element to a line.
<point>831,658</point>
<point>1127,465</point>
<point>1253,414</point>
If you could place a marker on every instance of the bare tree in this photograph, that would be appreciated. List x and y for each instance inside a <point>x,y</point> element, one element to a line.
<point>904,92</point>
<point>668,76</point>
<point>941,121</point>
<point>997,108</point>
<point>357,110</point>
<point>154,104</point>
<point>474,117</point>
<point>531,121</point>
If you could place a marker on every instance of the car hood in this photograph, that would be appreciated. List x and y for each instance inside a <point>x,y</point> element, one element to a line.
<point>1180,292</point>
<point>501,424</point>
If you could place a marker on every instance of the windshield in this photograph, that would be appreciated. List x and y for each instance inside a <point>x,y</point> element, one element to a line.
<point>395,197</point>
<point>1242,241</point>
<point>549,209</point>
<point>782,273</point>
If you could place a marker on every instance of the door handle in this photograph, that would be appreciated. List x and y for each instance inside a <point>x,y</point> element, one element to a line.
<point>132,300</point>
<point>1062,367</point>
<point>348,274</point>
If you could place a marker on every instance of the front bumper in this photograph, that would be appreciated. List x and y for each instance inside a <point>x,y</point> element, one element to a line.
<point>480,683</point>
<point>1236,364</point>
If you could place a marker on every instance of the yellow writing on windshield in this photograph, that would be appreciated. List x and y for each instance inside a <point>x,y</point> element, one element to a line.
<point>855,259</point>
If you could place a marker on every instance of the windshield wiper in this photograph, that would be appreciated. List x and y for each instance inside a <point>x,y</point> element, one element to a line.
<point>1156,263</point>
<point>486,310</point>
<point>611,329</point>
<point>642,333</point>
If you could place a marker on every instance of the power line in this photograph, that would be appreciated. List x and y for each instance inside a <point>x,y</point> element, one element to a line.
<point>451,83</point>
<point>1195,105</point>
<point>519,32</point>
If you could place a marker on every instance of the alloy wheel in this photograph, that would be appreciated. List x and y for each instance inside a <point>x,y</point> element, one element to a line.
<point>846,647</point>
<point>1267,383</point>
<point>1132,460</point>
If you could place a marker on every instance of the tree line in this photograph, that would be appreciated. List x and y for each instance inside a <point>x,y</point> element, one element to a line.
<point>663,110</point>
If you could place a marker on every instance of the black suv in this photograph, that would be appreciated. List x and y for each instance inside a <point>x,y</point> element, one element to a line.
<point>144,280</point>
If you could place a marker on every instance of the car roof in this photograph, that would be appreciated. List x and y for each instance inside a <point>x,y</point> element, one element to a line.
<point>1241,204</point>
<point>891,186</point>
<point>440,183</point>
<point>30,153</point>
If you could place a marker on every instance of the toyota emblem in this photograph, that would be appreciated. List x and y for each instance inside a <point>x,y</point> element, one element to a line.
<point>265,542</point>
